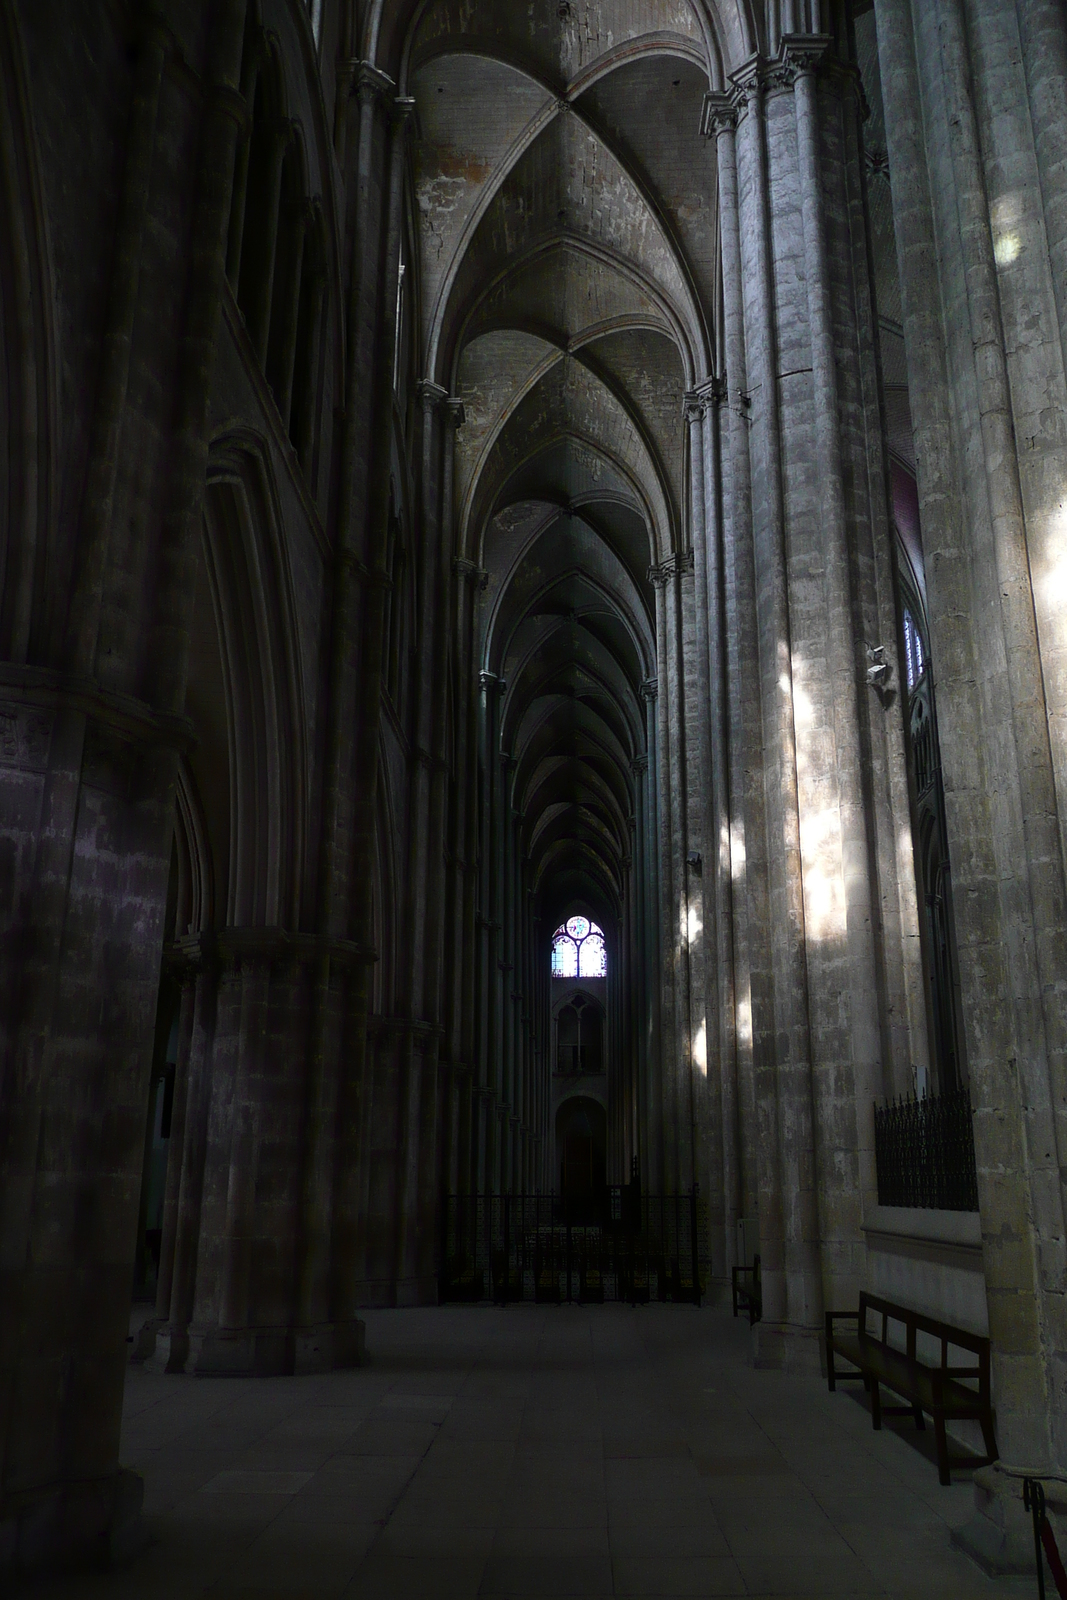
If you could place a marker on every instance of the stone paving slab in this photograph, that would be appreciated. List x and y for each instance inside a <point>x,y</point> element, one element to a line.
<point>490,1454</point>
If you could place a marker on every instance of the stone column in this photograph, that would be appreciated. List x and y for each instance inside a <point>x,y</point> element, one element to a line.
<point>984,339</point>
<point>89,764</point>
<point>357,646</point>
<point>836,850</point>
<point>642,966</point>
<point>703,933</point>
<point>652,1177</point>
<point>186,1164</point>
<point>488,1060</point>
<point>416,1193</point>
<point>670,844</point>
<point>746,844</point>
<point>791,1276</point>
<point>718,875</point>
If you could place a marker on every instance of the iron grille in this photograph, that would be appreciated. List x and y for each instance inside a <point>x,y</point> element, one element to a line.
<point>618,1244</point>
<point>924,1150</point>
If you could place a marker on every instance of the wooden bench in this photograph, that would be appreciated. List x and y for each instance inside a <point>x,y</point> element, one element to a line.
<point>942,1391</point>
<point>748,1291</point>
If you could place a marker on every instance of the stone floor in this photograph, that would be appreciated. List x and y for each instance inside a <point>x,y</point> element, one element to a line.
<point>535,1452</point>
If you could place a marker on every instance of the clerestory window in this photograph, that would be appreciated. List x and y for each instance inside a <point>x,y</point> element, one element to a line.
<point>578,950</point>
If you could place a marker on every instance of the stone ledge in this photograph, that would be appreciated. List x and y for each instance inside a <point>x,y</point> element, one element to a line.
<point>960,1228</point>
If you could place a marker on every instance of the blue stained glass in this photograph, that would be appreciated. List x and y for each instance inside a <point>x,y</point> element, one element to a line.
<point>564,957</point>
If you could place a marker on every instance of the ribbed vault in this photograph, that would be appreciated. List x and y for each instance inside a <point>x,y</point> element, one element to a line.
<point>568,263</point>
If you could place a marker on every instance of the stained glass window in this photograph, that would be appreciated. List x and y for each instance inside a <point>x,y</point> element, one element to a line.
<point>915,655</point>
<point>578,950</point>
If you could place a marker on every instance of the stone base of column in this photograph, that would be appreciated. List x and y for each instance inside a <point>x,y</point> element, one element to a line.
<point>257,1352</point>
<point>787,1347</point>
<point>333,1347</point>
<point>1000,1535</point>
<point>74,1527</point>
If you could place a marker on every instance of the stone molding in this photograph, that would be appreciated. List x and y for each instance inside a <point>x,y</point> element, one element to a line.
<point>235,947</point>
<point>960,1228</point>
<point>129,719</point>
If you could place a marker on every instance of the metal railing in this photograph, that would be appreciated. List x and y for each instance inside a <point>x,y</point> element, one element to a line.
<point>616,1244</point>
<point>924,1151</point>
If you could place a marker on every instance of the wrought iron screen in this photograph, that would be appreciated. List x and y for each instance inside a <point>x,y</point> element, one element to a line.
<point>924,1150</point>
<point>617,1245</point>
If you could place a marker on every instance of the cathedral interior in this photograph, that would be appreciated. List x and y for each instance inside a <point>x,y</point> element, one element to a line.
<point>533,726</point>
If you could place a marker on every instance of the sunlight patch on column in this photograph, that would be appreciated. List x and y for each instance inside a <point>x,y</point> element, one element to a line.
<point>820,835</point>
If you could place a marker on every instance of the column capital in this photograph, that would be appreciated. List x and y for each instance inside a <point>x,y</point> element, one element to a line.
<point>491,683</point>
<point>712,391</point>
<point>801,53</point>
<point>694,404</point>
<point>371,85</point>
<point>748,83</point>
<point>676,566</point>
<point>431,394</point>
<point>718,113</point>
<point>650,692</point>
<point>457,416</point>
<point>406,115</point>
<point>470,572</point>
<point>639,764</point>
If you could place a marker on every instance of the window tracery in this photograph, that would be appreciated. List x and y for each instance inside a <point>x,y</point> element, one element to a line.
<point>579,950</point>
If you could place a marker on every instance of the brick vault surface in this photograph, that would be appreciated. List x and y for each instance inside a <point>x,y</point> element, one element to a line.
<point>540,1452</point>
